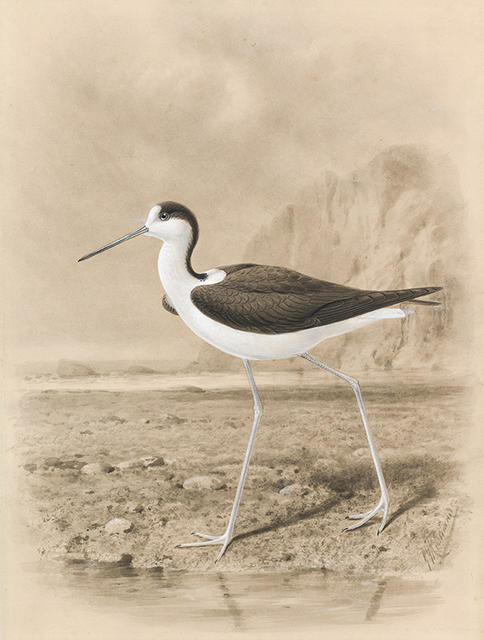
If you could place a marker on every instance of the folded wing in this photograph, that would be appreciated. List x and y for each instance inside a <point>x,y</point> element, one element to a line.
<point>270,300</point>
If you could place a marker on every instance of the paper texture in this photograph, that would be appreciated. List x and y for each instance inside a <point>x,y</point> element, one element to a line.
<point>343,140</point>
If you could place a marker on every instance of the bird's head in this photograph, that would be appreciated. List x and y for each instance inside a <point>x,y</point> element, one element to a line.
<point>169,221</point>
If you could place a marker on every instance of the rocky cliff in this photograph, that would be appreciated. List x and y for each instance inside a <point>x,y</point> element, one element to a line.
<point>397,222</point>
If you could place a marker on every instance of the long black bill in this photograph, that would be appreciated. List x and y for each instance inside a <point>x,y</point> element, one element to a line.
<point>133,234</point>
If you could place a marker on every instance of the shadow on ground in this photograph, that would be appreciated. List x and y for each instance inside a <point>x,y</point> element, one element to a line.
<point>419,478</point>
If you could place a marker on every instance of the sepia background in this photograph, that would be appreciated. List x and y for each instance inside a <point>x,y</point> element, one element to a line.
<point>295,136</point>
<point>340,140</point>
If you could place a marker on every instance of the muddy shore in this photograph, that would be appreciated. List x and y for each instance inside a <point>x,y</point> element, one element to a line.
<point>114,476</point>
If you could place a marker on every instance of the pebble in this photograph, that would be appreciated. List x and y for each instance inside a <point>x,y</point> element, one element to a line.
<point>108,560</point>
<point>135,463</point>
<point>52,462</point>
<point>140,463</point>
<point>118,525</point>
<point>134,507</point>
<point>153,461</point>
<point>296,489</point>
<point>170,417</point>
<point>291,488</point>
<point>57,463</point>
<point>200,483</point>
<point>94,468</point>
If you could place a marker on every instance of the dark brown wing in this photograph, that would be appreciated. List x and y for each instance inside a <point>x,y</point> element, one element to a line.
<point>266,299</point>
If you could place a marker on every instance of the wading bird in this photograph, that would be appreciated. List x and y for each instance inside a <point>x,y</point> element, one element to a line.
<point>261,312</point>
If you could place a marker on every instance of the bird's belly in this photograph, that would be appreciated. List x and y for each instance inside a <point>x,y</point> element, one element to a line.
<point>260,346</point>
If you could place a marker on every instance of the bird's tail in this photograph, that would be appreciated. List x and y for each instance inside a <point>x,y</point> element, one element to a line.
<point>409,295</point>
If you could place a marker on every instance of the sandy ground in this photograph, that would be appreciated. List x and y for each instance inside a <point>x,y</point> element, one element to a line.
<point>146,443</point>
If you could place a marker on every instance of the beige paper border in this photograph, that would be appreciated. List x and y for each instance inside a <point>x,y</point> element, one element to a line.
<point>29,611</point>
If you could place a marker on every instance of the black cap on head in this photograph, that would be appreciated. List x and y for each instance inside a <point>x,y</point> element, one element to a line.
<point>171,210</point>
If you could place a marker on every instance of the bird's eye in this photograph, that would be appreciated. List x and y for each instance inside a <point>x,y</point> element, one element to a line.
<point>164,215</point>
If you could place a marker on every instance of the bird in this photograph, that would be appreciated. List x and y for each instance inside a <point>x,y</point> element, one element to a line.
<point>263,312</point>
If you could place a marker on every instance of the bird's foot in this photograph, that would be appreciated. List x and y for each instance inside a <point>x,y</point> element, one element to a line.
<point>225,539</point>
<point>362,518</point>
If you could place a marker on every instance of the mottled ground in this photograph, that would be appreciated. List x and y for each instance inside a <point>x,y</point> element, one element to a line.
<point>310,436</point>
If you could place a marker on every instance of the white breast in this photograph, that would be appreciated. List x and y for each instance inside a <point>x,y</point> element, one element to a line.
<point>178,284</point>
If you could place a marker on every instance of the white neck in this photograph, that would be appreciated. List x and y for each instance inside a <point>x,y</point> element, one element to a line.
<point>172,268</point>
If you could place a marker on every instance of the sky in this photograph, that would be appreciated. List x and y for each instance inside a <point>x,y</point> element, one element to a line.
<point>230,108</point>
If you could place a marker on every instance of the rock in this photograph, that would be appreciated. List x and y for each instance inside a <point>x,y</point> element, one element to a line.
<point>135,463</point>
<point>145,462</point>
<point>153,461</point>
<point>294,489</point>
<point>118,525</point>
<point>170,417</point>
<point>76,541</point>
<point>201,483</point>
<point>291,488</point>
<point>57,463</point>
<point>115,560</point>
<point>51,462</point>
<point>94,468</point>
<point>73,369</point>
<point>133,507</point>
<point>140,370</point>
<point>71,464</point>
<point>30,467</point>
<point>403,182</point>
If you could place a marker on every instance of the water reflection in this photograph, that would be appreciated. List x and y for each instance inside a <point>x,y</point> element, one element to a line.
<point>376,599</point>
<point>223,601</point>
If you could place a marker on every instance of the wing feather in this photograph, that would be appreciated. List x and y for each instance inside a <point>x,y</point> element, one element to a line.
<point>168,305</point>
<point>266,299</point>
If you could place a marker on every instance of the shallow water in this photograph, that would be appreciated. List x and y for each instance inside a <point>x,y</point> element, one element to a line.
<point>264,600</point>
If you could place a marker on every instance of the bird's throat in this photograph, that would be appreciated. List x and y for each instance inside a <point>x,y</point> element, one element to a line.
<point>174,269</point>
